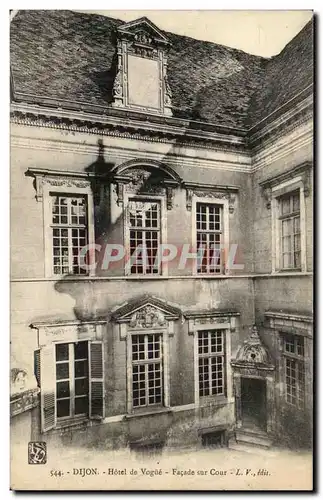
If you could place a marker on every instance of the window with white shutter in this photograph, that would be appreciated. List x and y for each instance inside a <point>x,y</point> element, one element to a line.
<point>70,376</point>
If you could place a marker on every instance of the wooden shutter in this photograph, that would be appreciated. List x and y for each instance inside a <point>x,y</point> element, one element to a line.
<point>96,400</point>
<point>47,388</point>
<point>37,366</point>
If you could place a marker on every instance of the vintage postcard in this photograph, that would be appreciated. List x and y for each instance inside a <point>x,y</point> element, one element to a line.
<point>161,250</point>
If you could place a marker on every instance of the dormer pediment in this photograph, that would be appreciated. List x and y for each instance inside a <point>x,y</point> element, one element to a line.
<point>143,31</point>
<point>146,312</point>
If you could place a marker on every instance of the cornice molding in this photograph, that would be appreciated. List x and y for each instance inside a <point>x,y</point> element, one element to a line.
<point>221,160</point>
<point>132,124</point>
<point>300,171</point>
<point>287,175</point>
<point>287,122</point>
<point>281,110</point>
<point>169,130</point>
<point>279,147</point>
<point>216,191</point>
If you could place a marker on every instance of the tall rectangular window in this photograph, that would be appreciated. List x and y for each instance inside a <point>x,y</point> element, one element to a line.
<point>211,359</point>
<point>144,228</point>
<point>294,370</point>
<point>290,231</point>
<point>208,238</point>
<point>69,232</point>
<point>147,370</point>
<point>72,379</point>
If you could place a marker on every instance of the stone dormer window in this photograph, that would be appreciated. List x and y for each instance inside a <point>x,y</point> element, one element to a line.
<point>141,74</point>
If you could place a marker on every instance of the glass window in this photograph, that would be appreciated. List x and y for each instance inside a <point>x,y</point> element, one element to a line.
<point>208,238</point>
<point>144,236</point>
<point>290,231</point>
<point>294,369</point>
<point>147,379</point>
<point>69,233</point>
<point>211,359</point>
<point>72,379</point>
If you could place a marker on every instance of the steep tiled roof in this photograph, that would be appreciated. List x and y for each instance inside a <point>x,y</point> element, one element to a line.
<point>286,75</point>
<point>71,56</point>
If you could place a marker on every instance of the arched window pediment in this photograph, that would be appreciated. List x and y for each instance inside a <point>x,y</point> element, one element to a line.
<point>145,178</point>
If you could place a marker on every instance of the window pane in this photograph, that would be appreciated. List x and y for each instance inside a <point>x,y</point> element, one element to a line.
<point>81,405</point>
<point>286,227</point>
<point>285,205</point>
<point>61,352</point>
<point>63,408</point>
<point>287,260</point>
<point>62,390</point>
<point>296,205</point>
<point>81,386</point>
<point>81,350</point>
<point>80,368</point>
<point>62,371</point>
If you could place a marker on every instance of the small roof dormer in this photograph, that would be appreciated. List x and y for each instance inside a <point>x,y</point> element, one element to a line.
<point>141,75</point>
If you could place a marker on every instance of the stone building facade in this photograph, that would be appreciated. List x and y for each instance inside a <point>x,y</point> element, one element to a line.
<point>124,135</point>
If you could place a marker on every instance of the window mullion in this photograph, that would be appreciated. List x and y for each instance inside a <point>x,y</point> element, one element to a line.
<point>210,363</point>
<point>72,379</point>
<point>146,370</point>
<point>144,250</point>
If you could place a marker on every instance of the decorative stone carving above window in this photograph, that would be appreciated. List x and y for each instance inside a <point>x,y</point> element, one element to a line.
<point>141,74</point>
<point>146,312</point>
<point>54,179</point>
<point>198,320</point>
<point>211,191</point>
<point>148,178</point>
<point>301,176</point>
<point>289,323</point>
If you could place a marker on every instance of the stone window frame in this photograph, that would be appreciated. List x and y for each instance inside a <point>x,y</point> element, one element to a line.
<point>148,315</point>
<point>295,179</point>
<point>206,321</point>
<point>126,333</point>
<point>48,182</point>
<point>66,332</point>
<point>292,324</point>
<point>287,187</point>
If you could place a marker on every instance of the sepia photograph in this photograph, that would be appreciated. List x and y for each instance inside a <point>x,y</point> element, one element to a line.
<point>161,250</point>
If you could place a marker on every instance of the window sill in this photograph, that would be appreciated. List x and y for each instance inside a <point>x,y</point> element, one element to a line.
<point>71,422</point>
<point>148,412</point>
<point>290,270</point>
<point>213,401</point>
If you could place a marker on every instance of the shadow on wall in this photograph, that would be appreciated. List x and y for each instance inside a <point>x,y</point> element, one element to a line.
<point>111,232</point>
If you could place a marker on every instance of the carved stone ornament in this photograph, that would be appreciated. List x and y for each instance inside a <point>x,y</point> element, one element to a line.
<point>169,197</point>
<point>167,93</point>
<point>210,193</point>
<point>253,352</point>
<point>306,178</point>
<point>147,317</point>
<point>267,194</point>
<point>117,85</point>
<point>68,182</point>
<point>140,181</point>
<point>207,320</point>
<point>23,392</point>
<point>120,189</point>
